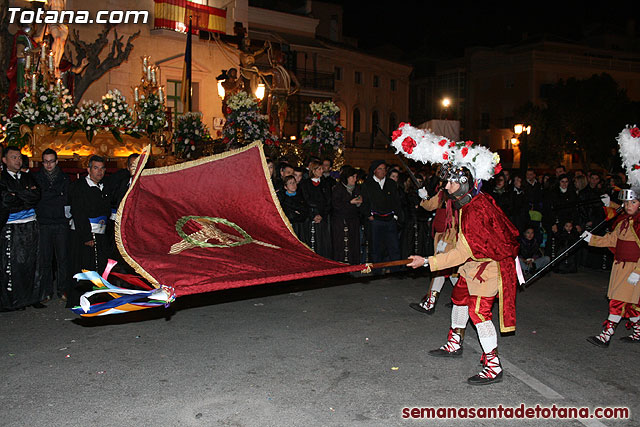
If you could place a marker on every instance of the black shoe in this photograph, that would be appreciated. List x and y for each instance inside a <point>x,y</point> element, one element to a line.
<point>597,342</point>
<point>444,353</point>
<point>629,340</point>
<point>478,380</point>
<point>38,305</point>
<point>421,309</point>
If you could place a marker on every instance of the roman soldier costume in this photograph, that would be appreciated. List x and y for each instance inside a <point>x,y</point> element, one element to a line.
<point>624,290</point>
<point>486,246</point>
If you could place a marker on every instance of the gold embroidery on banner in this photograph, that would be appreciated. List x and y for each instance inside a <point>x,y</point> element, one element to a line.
<point>209,231</point>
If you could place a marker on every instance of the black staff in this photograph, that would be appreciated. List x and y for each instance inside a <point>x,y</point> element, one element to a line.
<point>532,278</point>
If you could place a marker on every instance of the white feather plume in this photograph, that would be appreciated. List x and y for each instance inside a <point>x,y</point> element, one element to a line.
<point>432,148</point>
<point>630,153</point>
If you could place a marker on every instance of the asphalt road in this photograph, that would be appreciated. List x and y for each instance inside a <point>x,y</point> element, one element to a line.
<point>328,351</point>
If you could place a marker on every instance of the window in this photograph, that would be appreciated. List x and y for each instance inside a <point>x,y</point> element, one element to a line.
<point>337,73</point>
<point>334,28</point>
<point>393,84</point>
<point>358,78</point>
<point>356,125</point>
<point>485,121</point>
<point>356,120</point>
<point>174,97</point>
<point>376,81</point>
<point>393,122</point>
<point>375,122</point>
<point>174,90</point>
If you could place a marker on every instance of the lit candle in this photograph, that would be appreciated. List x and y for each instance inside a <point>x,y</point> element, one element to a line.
<point>42,51</point>
<point>161,94</point>
<point>51,61</point>
<point>59,84</point>
<point>27,62</point>
<point>145,62</point>
<point>153,76</point>
<point>34,81</point>
<point>135,94</point>
<point>148,74</point>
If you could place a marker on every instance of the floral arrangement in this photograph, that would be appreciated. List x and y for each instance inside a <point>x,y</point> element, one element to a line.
<point>151,114</point>
<point>112,114</point>
<point>244,123</point>
<point>323,134</point>
<point>629,141</point>
<point>189,135</point>
<point>47,106</point>
<point>427,147</point>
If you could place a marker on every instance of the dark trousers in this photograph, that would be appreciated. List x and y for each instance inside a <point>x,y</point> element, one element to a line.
<point>92,258</point>
<point>19,253</point>
<point>385,245</point>
<point>54,240</point>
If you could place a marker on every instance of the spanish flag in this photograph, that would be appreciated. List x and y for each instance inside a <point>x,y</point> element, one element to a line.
<point>185,96</point>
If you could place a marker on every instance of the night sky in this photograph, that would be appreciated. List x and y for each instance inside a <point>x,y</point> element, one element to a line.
<point>445,28</point>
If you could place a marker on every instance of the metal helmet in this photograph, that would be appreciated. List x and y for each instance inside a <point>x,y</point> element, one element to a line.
<point>628,194</point>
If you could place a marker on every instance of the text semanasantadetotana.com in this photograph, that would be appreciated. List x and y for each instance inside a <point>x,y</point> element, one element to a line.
<point>518,412</point>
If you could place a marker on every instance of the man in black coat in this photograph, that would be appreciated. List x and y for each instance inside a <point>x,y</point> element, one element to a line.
<point>19,235</point>
<point>54,226</point>
<point>381,205</point>
<point>532,189</point>
<point>90,210</point>
<point>561,204</point>
<point>117,185</point>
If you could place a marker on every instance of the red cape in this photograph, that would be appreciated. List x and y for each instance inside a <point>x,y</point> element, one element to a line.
<point>491,236</point>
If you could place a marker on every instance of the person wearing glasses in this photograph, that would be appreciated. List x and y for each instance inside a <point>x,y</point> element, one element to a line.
<point>52,212</point>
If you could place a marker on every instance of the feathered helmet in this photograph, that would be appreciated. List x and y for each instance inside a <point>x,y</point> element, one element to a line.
<point>427,147</point>
<point>629,142</point>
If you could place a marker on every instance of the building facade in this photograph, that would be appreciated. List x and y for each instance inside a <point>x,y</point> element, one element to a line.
<point>369,90</point>
<point>488,85</point>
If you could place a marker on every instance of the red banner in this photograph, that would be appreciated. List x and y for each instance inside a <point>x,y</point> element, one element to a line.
<point>213,224</point>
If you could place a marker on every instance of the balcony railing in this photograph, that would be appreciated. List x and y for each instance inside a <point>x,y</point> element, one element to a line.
<point>315,80</point>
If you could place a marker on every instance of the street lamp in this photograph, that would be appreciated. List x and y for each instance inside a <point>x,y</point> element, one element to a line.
<point>446,103</point>
<point>522,131</point>
<point>260,91</point>
<point>221,79</point>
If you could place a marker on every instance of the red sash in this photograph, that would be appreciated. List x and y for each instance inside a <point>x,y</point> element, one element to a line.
<point>627,251</point>
<point>440,220</point>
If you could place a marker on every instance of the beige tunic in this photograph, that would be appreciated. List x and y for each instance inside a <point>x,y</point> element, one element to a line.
<point>619,288</point>
<point>449,236</point>
<point>482,275</point>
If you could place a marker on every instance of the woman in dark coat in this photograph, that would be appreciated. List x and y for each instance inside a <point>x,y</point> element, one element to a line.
<point>296,209</point>
<point>317,195</point>
<point>345,217</point>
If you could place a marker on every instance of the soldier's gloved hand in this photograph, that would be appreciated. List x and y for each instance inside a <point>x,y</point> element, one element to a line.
<point>633,278</point>
<point>418,261</point>
<point>606,200</point>
<point>422,193</point>
<point>586,236</point>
